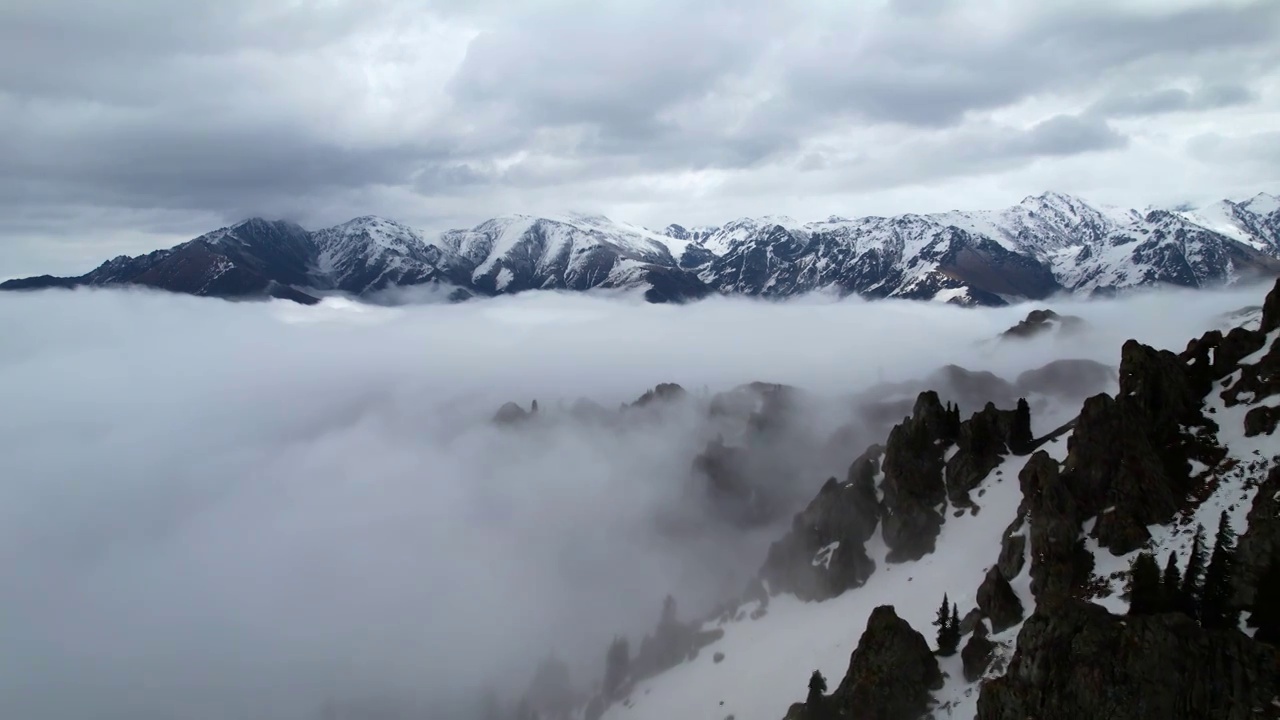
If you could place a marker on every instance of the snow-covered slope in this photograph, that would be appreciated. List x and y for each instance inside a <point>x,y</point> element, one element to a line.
<point>1045,244</point>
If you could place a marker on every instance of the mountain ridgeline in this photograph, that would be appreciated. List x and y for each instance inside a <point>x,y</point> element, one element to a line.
<point>1046,244</point>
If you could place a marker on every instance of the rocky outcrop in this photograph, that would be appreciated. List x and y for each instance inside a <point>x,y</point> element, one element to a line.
<point>998,602</point>
<point>1060,564</point>
<point>511,413</point>
<point>977,653</point>
<point>982,443</point>
<point>1260,543</point>
<point>824,554</point>
<point>1040,322</point>
<point>891,674</point>
<point>914,488</point>
<point>1079,661</point>
<point>1129,455</point>
<point>663,392</point>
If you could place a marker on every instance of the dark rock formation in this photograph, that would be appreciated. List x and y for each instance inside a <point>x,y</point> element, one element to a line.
<point>891,673</point>
<point>661,393</point>
<point>1013,551</point>
<point>511,413</point>
<point>671,643</point>
<point>998,602</point>
<point>1261,421</point>
<point>1039,322</point>
<point>825,552</point>
<point>913,487</point>
<point>1060,564</point>
<point>1079,661</point>
<point>1128,459</point>
<point>983,442</point>
<point>1260,543</point>
<point>970,621</point>
<point>977,653</point>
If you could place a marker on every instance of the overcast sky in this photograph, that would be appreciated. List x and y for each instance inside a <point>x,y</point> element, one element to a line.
<point>131,125</point>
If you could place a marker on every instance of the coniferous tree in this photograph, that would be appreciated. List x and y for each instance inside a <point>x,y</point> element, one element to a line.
<point>1171,585</point>
<point>1216,603</point>
<point>1193,576</point>
<point>616,666</point>
<point>1144,585</point>
<point>943,622</point>
<point>949,632</point>
<point>1265,612</point>
<point>817,688</point>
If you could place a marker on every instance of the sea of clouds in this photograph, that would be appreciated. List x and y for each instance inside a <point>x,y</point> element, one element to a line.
<point>245,510</point>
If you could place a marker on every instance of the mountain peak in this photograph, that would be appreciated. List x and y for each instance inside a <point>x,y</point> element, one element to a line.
<point>1052,198</point>
<point>1262,204</point>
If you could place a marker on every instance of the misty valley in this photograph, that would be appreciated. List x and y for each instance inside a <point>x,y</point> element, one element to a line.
<point>574,507</point>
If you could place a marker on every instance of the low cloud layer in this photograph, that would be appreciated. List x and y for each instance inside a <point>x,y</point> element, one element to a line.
<point>213,510</point>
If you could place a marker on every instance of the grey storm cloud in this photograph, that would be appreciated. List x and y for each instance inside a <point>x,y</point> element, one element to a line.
<point>1169,100</point>
<point>312,109</point>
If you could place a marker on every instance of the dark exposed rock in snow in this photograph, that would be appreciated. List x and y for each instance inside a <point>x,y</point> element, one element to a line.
<point>1260,543</point>
<point>998,602</point>
<point>891,675</point>
<point>977,653</point>
<point>1076,660</point>
<point>914,488</point>
<point>1042,322</point>
<point>824,554</point>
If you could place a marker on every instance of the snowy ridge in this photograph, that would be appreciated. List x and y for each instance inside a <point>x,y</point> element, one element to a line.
<point>1046,244</point>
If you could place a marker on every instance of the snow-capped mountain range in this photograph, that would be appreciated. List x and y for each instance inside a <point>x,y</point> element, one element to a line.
<point>1045,244</point>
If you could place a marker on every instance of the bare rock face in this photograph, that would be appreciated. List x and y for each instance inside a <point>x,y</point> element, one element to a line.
<point>1060,564</point>
<point>825,552</point>
<point>1043,322</point>
<point>983,443</point>
<point>891,673</point>
<point>892,670</point>
<point>914,487</point>
<point>1260,544</point>
<point>1079,661</point>
<point>1129,457</point>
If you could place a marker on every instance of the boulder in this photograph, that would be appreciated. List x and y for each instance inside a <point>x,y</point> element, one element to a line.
<point>998,602</point>
<point>977,653</point>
